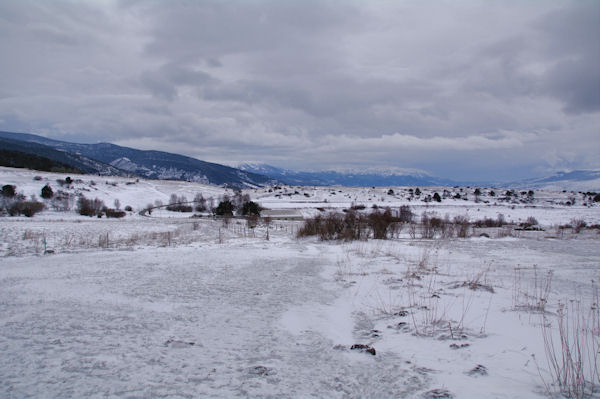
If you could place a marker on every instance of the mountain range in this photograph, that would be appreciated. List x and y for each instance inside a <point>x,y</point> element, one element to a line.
<point>111,159</point>
<point>349,178</point>
<point>114,160</point>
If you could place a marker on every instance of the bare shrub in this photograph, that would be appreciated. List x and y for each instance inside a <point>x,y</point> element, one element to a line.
<point>62,201</point>
<point>310,228</point>
<point>573,349</point>
<point>114,213</point>
<point>431,224</point>
<point>89,207</point>
<point>530,289</point>
<point>489,222</point>
<point>351,226</point>
<point>405,215</point>
<point>380,223</point>
<point>251,220</point>
<point>577,225</point>
<point>447,230</point>
<point>529,223</point>
<point>412,230</point>
<point>179,204</point>
<point>199,203</point>
<point>461,225</point>
<point>22,207</point>
<point>500,221</point>
<point>334,226</point>
<point>238,199</point>
<point>354,227</point>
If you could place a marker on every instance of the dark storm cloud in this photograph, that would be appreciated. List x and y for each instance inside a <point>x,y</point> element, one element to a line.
<point>466,85</point>
<point>164,81</point>
<point>573,34</point>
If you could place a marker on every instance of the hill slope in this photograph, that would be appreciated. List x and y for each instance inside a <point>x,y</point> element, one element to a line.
<point>151,164</point>
<point>64,158</point>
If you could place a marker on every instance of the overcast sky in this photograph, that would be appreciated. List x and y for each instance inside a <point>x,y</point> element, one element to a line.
<point>461,89</point>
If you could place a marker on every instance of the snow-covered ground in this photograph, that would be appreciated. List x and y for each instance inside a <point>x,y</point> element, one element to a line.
<point>173,306</point>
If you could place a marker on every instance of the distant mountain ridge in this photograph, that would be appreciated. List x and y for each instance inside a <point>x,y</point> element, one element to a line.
<point>576,180</point>
<point>350,178</point>
<point>122,161</point>
<point>114,160</point>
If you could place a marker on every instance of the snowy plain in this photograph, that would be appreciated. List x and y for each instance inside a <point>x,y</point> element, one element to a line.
<point>166,305</point>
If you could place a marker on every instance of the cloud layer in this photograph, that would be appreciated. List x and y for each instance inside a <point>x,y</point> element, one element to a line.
<point>464,90</point>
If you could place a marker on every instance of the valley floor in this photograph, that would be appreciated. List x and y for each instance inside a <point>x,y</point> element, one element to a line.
<point>186,308</point>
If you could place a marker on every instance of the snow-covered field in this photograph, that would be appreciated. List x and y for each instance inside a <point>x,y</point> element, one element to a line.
<point>174,306</point>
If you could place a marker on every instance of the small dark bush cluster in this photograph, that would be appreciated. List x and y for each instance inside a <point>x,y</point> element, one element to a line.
<point>90,207</point>
<point>251,208</point>
<point>432,225</point>
<point>114,213</point>
<point>225,208</point>
<point>180,208</point>
<point>578,224</point>
<point>530,223</point>
<point>26,208</point>
<point>328,227</point>
<point>96,207</point>
<point>489,222</point>
<point>351,226</point>
<point>405,215</point>
<point>9,191</point>
<point>380,223</point>
<point>47,192</point>
<point>66,181</point>
<point>15,204</point>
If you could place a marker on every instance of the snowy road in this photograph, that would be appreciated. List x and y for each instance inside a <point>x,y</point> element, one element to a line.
<point>201,321</point>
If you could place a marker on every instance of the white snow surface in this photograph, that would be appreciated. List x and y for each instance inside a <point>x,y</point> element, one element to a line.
<point>180,307</point>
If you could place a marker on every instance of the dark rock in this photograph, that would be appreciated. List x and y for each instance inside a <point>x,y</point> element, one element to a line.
<point>261,371</point>
<point>478,370</point>
<point>363,348</point>
<point>456,346</point>
<point>174,343</point>
<point>437,394</point>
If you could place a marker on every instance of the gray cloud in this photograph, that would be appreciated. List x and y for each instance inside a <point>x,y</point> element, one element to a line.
<point>461,89</point>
